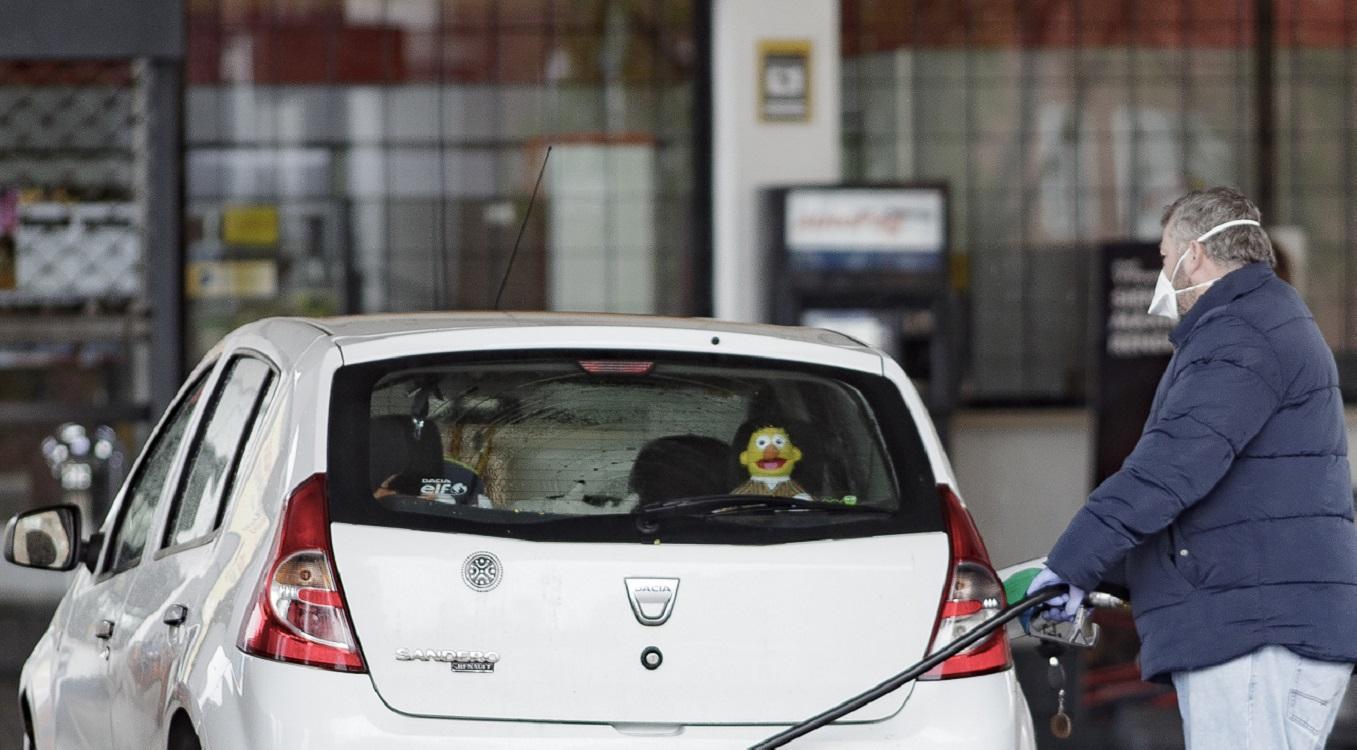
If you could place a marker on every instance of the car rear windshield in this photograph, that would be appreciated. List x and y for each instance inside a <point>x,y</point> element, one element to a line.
<point>630,448</point>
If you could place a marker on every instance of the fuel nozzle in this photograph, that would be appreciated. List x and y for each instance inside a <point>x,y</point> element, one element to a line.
<point>1104,600</point>
<point>1081,633</point>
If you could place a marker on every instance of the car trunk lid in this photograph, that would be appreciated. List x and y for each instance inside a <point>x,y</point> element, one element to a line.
<point>468,626</point>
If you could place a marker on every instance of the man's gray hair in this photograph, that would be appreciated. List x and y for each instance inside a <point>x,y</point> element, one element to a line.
<point>1197,212</point>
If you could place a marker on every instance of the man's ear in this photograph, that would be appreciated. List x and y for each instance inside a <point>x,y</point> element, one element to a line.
<point>1197,253</point>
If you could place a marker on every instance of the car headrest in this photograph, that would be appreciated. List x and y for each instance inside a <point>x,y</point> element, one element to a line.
<point>677,466</point>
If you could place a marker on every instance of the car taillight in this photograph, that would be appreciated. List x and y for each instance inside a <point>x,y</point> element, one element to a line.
<point>299,614</point>
<point>973,595</point>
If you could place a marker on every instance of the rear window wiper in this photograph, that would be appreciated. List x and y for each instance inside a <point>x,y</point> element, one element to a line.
<point>713,504</point>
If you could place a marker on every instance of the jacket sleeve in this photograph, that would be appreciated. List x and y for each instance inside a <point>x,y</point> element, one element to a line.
<point>1226,390</point>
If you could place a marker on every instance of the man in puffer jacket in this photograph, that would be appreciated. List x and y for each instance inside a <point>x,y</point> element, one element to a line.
<point>1232,520</point>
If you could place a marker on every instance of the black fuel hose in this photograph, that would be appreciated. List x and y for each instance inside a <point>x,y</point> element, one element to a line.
<point>914,672</point>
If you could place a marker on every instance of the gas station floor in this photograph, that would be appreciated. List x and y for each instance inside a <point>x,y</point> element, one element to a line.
<point>1130,729</point>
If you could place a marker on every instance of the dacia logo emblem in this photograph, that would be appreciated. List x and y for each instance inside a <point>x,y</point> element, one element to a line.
<point>652,599</point>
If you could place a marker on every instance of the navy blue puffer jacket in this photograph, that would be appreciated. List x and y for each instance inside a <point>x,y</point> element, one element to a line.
<point>1233,516</point>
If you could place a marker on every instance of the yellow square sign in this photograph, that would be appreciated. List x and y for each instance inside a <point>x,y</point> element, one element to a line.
<point>253,226</point>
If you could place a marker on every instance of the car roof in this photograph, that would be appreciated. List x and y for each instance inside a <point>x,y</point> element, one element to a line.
<point>396,324</point>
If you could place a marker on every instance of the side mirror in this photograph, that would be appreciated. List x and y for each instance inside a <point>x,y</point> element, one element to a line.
<point>45,538</point>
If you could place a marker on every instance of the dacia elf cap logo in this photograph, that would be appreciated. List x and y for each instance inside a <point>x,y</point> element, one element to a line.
<point>652,599</point>
<point>443,488</point>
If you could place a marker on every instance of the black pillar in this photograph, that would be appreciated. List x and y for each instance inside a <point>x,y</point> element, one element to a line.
<point>160,192</point>
<point>1266,158</point>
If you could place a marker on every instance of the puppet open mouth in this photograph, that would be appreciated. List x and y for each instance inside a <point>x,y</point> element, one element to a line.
<point>769,464</point>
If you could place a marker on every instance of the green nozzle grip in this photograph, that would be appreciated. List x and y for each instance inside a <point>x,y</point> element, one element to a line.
<point>1015,588</point>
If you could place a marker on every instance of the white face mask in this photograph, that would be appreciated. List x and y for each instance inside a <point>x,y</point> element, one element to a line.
<point>1165,301</point>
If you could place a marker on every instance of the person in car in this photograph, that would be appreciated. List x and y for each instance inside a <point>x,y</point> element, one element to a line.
<point>1232,519</point>
<point>452,479</point>
<point>770,457</point>
<point>403,483</point>
<point>459,485</point>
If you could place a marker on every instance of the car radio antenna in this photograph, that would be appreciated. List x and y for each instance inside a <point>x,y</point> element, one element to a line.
<point>505,280</point>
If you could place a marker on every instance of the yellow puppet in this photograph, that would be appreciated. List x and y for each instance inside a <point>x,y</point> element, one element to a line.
<point>770,457</point>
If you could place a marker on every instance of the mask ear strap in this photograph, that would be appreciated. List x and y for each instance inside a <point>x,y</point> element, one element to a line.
<point>1217,229</point>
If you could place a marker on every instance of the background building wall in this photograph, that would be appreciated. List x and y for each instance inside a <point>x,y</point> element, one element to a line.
<point>397,143</point>
<point>1062,125</point>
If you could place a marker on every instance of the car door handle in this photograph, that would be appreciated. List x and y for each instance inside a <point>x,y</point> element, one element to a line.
<point>104,630</point>
<point>176,615</point>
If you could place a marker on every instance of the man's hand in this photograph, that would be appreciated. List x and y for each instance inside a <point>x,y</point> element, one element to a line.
<point>1064,607</point>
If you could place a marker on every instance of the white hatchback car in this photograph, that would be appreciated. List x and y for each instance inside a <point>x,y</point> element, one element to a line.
<point>501,529</point>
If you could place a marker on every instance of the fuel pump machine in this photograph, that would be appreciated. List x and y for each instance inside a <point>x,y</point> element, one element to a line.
<point>871,261</point>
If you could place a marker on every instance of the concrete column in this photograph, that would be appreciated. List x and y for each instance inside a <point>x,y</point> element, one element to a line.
<point>750,152</point>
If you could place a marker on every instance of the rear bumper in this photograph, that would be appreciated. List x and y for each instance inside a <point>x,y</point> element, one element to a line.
<point>286,706</point>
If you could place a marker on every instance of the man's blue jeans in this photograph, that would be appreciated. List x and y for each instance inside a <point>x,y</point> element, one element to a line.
<point>1269,699</point>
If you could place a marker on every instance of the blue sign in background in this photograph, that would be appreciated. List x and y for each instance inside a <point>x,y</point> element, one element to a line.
<point>860,261</point>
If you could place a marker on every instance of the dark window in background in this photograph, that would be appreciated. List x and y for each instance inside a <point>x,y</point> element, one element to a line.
<point>1063,125</point>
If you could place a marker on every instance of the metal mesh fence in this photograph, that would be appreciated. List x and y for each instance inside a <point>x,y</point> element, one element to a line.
<point>66,130</point>
<point>67,173</point>
<point>73,332</point>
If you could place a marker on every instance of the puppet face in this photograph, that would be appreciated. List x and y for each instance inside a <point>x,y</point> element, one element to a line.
<point>770,453</point>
